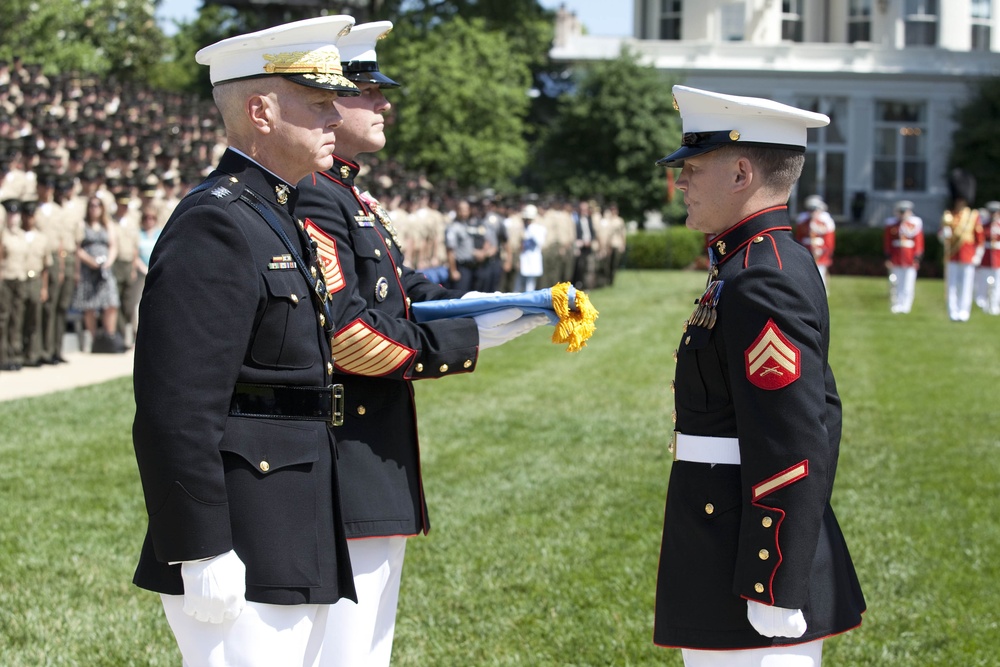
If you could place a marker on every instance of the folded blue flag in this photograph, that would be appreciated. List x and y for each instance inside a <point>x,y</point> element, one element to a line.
<point>537,301</point>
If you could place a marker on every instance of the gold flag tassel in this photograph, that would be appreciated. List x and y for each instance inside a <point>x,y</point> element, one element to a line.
<point>575,326</point>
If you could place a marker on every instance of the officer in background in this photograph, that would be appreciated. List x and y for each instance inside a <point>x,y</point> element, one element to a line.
<point>961,234</point>
<point>816,230</point>
<point>13,273</point>
<point>37,263</point>
<point>379,351</point>
<point>234,388</point>
<point>903,244</point>
<point>48,215</point>
<point>989,264</point>
<point>126,222</point>
<point>753,567</point>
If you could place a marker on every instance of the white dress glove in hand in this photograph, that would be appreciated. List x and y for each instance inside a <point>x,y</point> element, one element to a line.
<point>214,589</point>
<point>498,327</point>
<point>775,621</point>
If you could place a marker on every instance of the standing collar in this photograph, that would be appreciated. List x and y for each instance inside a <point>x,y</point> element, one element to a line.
<point>726,244</point>
<point>344,170</point>
<point>264,183</point>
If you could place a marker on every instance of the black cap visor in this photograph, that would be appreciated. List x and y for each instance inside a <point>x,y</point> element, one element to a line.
<point>367,72</point>
<point>698,143</point>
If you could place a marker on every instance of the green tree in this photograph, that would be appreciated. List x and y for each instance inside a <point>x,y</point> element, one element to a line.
<point>179,71</point>
<point>606,135</point>
<point>975,145</point>
<point>460,112</point>
<point>117,38</point>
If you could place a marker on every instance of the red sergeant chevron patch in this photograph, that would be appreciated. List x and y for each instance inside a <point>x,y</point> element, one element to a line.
<point>772,362</point>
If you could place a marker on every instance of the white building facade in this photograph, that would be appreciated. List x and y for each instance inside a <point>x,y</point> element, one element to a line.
<point>889,73</point>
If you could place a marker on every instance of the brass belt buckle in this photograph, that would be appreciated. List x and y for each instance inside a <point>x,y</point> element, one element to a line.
<point>672,447</point>
<point>336,405</point>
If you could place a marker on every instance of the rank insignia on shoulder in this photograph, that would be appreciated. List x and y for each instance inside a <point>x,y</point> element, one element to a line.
<point>220,192</point>
<point>772,361</point>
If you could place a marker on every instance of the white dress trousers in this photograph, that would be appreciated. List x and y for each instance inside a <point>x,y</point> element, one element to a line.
<point>809,654</point>
<point>341,635</point>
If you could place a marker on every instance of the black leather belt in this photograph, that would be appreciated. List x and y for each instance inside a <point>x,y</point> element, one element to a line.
<point>276,401</point>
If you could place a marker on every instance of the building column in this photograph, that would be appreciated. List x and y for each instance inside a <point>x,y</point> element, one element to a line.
<point>886,26</point>
<point>955,25</point>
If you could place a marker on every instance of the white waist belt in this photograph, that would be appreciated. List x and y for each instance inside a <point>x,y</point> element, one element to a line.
<point>706,449</point>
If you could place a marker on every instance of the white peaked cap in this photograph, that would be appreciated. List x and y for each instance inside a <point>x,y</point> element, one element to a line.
<point>357,50</point>
<point>302,51</point>
<point>712,120</point>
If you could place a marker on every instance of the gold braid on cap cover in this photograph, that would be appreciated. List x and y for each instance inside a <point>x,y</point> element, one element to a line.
<point>321,65</point>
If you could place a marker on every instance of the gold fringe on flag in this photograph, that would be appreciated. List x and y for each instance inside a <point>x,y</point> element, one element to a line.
<point>575,326</point>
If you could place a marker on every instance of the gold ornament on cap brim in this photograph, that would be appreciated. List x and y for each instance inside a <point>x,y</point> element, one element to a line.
<point>734,135</point>
<point>676,108</point>
<point>321,65</point>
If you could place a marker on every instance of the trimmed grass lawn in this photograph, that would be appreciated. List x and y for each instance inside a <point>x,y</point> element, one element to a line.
<point>546,473</point>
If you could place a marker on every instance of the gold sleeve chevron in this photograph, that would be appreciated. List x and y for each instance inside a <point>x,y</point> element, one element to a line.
<point>575,326</point>
<point>361,350</point>
<point>329,260</point>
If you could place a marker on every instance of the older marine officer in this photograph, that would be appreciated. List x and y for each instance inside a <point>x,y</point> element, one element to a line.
<point>753,569</point>
<point>235,401</point>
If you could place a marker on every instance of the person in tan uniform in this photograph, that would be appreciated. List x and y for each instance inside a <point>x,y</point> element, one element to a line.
<point>48,219</point>
<point>12,276</point>
<point>69,230</point>
<point>126,222</point>
<point>37,260</point>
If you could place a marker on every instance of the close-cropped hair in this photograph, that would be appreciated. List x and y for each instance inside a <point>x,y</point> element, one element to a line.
<point>779,168</point>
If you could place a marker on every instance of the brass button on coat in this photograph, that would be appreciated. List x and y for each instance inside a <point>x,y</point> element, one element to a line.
<point>378,253</point>
<point>419,368</point>
<point>444,368</point>
<point>766,522</point>
<point>758,587</point>
<point>362,410</point>
<point>265,466</point>
<point>399,271</point>
<point>294,298</point>
<point>329,368</point>
<point>763,554</point>
<point>467,364</point>
<point>709,508</point>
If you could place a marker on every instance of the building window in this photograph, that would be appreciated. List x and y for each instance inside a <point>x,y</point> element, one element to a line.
<point>921,22</point>
<point>981,19</point>
<point>825,170</point>
<point>859,21</point>
<point>900,147</point>
<point>733,21</point>
<point>791,20</point>
<point>670,19</point>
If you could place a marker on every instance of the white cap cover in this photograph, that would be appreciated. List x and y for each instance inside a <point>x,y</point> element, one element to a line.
<point>712,120</point>
<point>303,51</point>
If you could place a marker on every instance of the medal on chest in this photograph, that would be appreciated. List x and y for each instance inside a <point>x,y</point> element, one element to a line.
<point>704,314</point>
<point>376,208</point>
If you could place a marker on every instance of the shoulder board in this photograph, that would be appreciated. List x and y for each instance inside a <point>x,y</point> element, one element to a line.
<point>762,251</point>
<point>219,190</point>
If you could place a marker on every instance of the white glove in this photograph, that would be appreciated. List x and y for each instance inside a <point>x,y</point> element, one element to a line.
<point>498,327</point>
<point>214,589</point>
<point>775,621</point>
